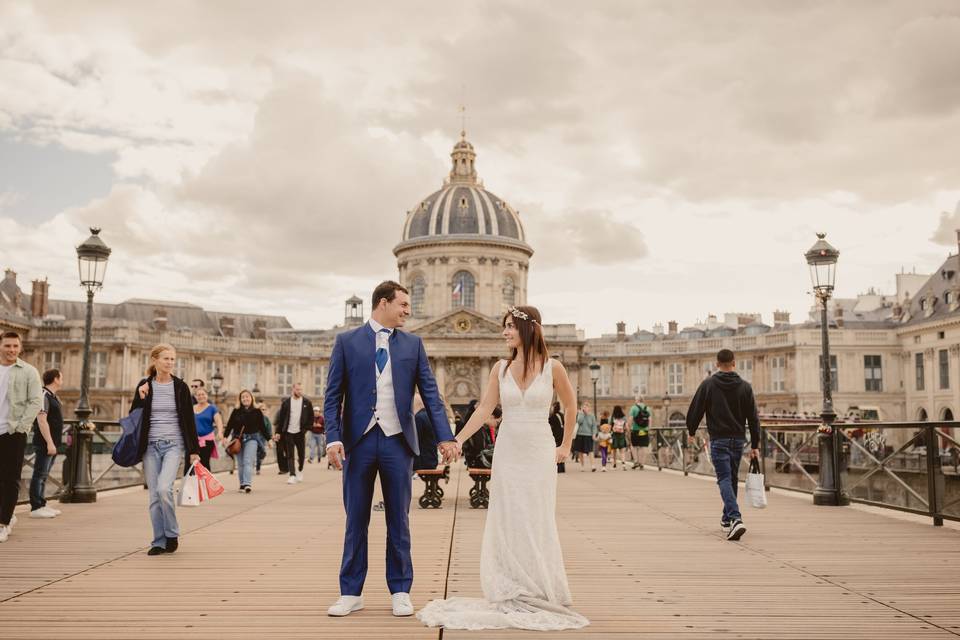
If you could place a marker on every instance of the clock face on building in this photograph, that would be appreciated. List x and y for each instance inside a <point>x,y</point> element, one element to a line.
<point>463,325</point>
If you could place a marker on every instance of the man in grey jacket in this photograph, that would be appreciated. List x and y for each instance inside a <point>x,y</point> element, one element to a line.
<point>21,398</point>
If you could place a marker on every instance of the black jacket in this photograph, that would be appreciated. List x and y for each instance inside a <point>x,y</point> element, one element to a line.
<point>283,416</point>
<point>727,399</point>
<point>185,415</point>
<point>246,422</point>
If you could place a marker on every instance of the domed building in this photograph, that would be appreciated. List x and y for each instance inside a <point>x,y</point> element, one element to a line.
<point>463,247</point>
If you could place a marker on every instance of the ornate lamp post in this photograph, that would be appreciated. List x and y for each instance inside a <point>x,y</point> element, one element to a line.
<point>216,384</point>
<point>594,367</point>
<point>666,410</point>
<point>92,258</point>
<point>822,259</point>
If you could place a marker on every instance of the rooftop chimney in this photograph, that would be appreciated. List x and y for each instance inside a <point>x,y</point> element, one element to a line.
<point>838,316</point>
<point>781,318</point>
<point>259,329</point>
<point>39,299</point>
<point>227,326</point>
<point>10,274</point>
<point>672,327</point>
<point>160,319</point>
<point>621,331</point>
<point>658,329</point>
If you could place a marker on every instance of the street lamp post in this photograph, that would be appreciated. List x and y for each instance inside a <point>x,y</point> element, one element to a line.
<point>594,367</point>
<point>216,384</point>
<point>822,259</point>
<point>666,410</point>
<point>92,258</point>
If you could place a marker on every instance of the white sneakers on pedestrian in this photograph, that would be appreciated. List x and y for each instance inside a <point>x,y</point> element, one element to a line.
<point>402,605</point>
<point>292,480</point>
<point>4,532</point>
<point>345,605</point>
<point>300,475</point>
<point>43,512</point>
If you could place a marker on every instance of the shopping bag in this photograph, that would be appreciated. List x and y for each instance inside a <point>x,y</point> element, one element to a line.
<point>756,493</point>
<point>189,489</point>
<point>209,485</point>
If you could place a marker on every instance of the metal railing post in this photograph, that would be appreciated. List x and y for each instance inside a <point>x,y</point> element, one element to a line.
<point>763,458</point>
<point>935,481</point>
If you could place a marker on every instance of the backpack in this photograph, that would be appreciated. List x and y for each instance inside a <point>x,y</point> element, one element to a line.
<point>641,421</point>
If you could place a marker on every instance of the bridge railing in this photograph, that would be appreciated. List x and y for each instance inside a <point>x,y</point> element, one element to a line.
<point>907,466</point>
<point>106,474</point>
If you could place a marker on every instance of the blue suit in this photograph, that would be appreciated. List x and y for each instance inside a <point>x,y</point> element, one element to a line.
<point>348,407</point>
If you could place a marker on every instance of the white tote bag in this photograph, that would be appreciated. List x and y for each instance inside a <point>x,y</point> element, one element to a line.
<point>755,491</point>
<point>189,489</point>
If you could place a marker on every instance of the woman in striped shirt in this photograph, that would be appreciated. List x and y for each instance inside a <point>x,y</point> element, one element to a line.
<point>170,430</point>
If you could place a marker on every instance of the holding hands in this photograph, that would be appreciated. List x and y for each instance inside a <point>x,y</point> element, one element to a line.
<point>450,451</point>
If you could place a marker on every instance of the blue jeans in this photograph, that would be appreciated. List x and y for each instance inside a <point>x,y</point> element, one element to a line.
<point>248,459</point>
<point>42,464</point>
<point>315,445</point>
<point>725,453</point>
<point>161,462</point>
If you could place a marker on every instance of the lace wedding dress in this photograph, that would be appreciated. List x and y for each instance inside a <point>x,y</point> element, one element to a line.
<point>521,564</point>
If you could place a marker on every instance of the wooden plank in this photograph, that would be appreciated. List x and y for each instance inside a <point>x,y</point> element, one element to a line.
<point>642,549</point>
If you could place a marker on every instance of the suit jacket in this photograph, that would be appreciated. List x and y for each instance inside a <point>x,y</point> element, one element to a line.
<point>351,395</point>
<point>283,416</point>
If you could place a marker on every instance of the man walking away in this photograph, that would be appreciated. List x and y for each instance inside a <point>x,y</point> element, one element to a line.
<point>21,399</point>
<point>728,402</point>
<point>294,420</point>
<point>47,436</point>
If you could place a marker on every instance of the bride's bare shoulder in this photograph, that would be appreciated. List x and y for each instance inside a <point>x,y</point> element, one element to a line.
<point>557,366</point>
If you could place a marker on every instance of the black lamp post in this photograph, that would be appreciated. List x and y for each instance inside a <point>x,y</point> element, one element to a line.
<point>666,410</point>
<point>216,384</point>
<point>822,259</point>
<point>92,258</point>
<point>594,367</point>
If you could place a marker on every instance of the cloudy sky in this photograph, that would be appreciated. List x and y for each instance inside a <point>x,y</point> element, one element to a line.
<point>669,159</point>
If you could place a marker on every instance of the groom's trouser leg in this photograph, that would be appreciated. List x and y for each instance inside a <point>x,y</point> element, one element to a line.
<point>359,475</point>
<point>396,471</point>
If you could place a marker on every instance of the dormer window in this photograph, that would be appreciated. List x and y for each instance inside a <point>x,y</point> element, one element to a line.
<point>923,304</point>
<point>948,297</point>
<point>463,202</point>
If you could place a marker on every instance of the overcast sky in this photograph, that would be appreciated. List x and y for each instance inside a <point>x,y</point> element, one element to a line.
<point>669,159</point>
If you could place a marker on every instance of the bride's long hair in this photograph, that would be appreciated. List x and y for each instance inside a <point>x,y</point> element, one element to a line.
<point>531,336</point>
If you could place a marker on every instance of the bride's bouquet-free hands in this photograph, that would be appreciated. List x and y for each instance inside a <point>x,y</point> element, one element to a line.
<point>563,452</point>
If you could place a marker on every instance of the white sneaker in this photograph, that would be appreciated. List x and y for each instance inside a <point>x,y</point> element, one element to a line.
<point>13,521</point>
<point>42,512</point>
<point>4,533</point>
<point>345,606</point>
<point>55,511</point>
<point>292,480</point>
<point>402,605</point>
<point>299,476</point>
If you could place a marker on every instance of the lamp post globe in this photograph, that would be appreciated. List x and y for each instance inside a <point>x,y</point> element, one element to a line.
<point>216,384</point>
<point>822,260</point>
<point>594,367</point>
<point>92,257</point>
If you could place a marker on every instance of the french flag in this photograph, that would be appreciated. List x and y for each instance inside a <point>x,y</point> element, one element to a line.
<point>457,288</point>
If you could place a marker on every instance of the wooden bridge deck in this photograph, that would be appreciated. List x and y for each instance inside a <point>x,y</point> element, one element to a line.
<point>643,552</point>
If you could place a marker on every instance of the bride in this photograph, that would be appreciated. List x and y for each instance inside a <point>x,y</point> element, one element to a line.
<point>521,565</point>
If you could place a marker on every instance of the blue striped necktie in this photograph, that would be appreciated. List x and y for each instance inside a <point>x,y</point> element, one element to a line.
<point>382,355</point>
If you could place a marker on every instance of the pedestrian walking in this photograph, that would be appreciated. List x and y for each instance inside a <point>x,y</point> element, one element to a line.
<point>294,420</point>
<point>639,432</point>
<point>586,434</point>
<point>604,441</point>
<point>556,427</point>
<point>47,438</point>
<point>195,385</point>
<point>264,442</point>
<point>728,402</point>
<point>21,399</point>
<point>316,445</point>
<point>209,426</point>
<point>171,430</point>
<point>618,427</point>
<point>246,421</point>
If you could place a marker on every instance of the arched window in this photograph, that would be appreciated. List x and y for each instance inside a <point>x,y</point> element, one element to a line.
<point>464,290</point>
<point>509,291</point>
<point>922,415</point>
<point>418,296</point>
<point>946,415</point>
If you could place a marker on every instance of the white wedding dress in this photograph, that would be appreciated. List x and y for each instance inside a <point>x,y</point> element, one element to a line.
<point>521,564</point>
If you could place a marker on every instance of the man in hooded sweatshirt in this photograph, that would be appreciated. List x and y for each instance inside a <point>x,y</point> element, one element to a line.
<point>727,399</point>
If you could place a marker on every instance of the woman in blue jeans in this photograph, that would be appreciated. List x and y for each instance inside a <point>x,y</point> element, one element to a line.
<point>170,430</point>
<point>245,423</point>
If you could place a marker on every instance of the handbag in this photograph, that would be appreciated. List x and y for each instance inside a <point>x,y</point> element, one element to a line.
<point>126,451</point>
<point>190,495</point>
<point>754,485</point>
<point>234,446</point>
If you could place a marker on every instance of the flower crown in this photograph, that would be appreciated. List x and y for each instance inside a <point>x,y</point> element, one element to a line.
<point>523,315</point>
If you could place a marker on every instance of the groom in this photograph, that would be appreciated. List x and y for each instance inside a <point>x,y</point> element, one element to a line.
<point>371,430</point>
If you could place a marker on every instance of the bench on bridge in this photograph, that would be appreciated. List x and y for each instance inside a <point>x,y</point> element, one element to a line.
<point>432,493</point>
<point>479,494</point>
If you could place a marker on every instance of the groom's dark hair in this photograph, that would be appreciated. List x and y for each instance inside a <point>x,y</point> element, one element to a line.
<point>387,289</point>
